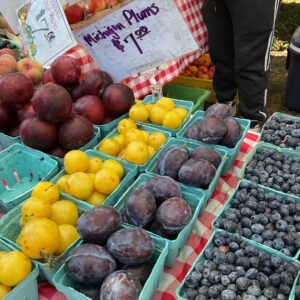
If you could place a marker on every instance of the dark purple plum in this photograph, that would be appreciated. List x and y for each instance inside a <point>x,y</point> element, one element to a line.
<point>193,132</point>
<point>233,133</point>
<point>170,161</point>
<point>89,264</point>
<point>208,154</point>
<point>120,285</point>
<point>163,188</point>
<point>140,208</point>
<point>173,215</point>
<point>131,246</point>
<point>197,172</point>
<point>220,110</point>
<point>157,229</point>
<point>142,272</point>
<point>97,224</point>
<point>211,130</point>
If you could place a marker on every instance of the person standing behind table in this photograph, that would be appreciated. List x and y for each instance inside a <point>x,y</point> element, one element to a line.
<point>240,35</point>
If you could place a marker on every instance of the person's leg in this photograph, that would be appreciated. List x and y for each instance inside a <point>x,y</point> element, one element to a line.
<point>221,48</point>
<point>253,25</point>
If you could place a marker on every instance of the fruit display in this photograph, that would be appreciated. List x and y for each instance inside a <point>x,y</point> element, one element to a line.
<point>132,142</point>
<point>77,10</point>
<point>217,127</point>
<point>230,268</point>
<point>14,268</point>
<point>113,262</point>
<point>263,217</point>
<point>163,113</point>
<point>183,165</point>
<point>159,207</point>
<point>201,68</point>
<point>47,223</point>
<point>283,131</point>
<point>274,169</point>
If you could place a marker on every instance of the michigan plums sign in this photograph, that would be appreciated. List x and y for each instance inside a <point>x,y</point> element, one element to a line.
<point>137,37</point>
<point>45,29</point>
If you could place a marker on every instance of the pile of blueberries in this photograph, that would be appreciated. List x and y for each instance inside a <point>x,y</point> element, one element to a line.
<point>297,296</point>
<point>235,270</point>
<point>265,218</point>
<point>275,170</point>
<point>282,132</point>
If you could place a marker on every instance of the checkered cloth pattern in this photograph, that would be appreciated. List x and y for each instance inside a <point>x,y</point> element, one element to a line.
<point>172,277</point>
<point>191,11</point>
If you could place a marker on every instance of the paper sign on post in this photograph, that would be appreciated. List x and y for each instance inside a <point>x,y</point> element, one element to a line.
<point>137,37</point>
<point>45,29</point>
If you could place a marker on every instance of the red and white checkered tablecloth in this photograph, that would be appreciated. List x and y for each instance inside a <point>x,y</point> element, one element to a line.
<point>202,231</point>
<point>191,11</point>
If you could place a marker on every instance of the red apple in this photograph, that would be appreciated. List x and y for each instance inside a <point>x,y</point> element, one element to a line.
<point>74,13</point>
<point>90,107</point>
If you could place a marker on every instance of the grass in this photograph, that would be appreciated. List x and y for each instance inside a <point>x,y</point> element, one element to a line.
<point>288,20</point>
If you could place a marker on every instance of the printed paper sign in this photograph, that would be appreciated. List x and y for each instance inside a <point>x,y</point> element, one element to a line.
<point>45,29</point>
<point>137,37</point>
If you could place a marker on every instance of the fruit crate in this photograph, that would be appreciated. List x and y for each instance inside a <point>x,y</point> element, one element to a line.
<point>21,169</point>
<point>200,259</point>
<point>281,115</point>
<point>196,95</point>
<point>107,128</point>
<point>94,141</point>
<point>231,152</point>
<point>266,191</point>
<point>197,82</point>
<point>26,289</point>
<point>150,130</point>
<point>194,197</point>
<point>188,105</point>
<point>130,173</point>
<point>10,229</point>
<point>66,285</point>
<point>6,141</point>
<point>151,169</point>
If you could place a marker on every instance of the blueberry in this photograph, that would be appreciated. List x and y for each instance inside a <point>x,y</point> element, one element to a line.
<point>230,226</point>
<point>205,282</point>
<point>275,261</point>
<point>286,251</point>
<point>270,292</point>
<point>203,290</point>
<point>191,281</point>
<point>251,273</point>
<point>262,297</point>
<point>254,261</point>
<point>242,283</point>
<point>254,290</point>
<point>242,261</point>
<point>284,289</point>
<point>190,293</point>
<point>201,297</point>
<point>275,279</point>
<point>225,280</point>
<point>230,257</point>
<point>251,251</point>
<point>268,235</point>
<point>281,225</point>
<point>286,278</point>
<point>199,268</point>
<point>228,295</point>
<point>240,271</point>
<point>274,217</point>
<point>248,297</point>
<point>257,238</point>
<point>281,297</point>
<point>257,228</point>
<point>233,246</point>
<point>278,244</point>
<point>297,292</point>
<point>240,252</point>
<point>210,265</point>
<point>213,291</point>
<point>225,269</point>
<point>246,222</point>
<point>219,258</point>
<point>214,277</point>
<point>247,233</point>
<point>219,240</point>
<point>263,280</point>
<point>209,253</point>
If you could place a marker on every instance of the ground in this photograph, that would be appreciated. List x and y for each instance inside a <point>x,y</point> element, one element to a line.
<point>287,21</point>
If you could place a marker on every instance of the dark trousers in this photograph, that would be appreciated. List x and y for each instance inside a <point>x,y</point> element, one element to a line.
<point>240,34</point>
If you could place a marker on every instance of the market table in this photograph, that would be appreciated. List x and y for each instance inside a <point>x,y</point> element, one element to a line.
<point>191,11</point>
<point>202,231</point>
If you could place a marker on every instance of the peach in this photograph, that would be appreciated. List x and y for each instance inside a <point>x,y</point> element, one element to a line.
<point>203,69</point>
<point>212,69</point>
<point>206,64</point>
<point>201,60</point>
<point>31,68</point>
<point>8,64</point>
<point>210,74</point>
<point>95,5</point>
<point>193,69</point>
<point>204,76</point>
<point>7,51</point>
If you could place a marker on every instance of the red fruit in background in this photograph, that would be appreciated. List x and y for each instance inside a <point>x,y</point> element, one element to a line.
<point>210,74</point>
<point>14,131</point>
<point>118,98</point>
<point>74,13</point>
<point>75,132</point>
<point>38,134</point>
<point>203,69</point>
<point>204,76</point>
<point>7,51</point>
<point>206,64</point>
<point>57,151</point>
<point>212,69</point>
<point>16,88</point>
<point>47,77</point>
<point>6,116</point>
<point>95,5</point>
<point>66,70</point>
<point>94,82</point>
<point>75,91</point>
<point>26,112</point>
<point>52,103</point>
<point>90,107</point>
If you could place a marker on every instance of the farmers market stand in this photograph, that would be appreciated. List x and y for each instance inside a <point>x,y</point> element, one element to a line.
<point>202,231</point>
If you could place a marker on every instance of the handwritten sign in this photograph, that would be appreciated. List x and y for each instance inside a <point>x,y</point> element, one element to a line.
<point>139,36</point>
<point>45,29</point>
